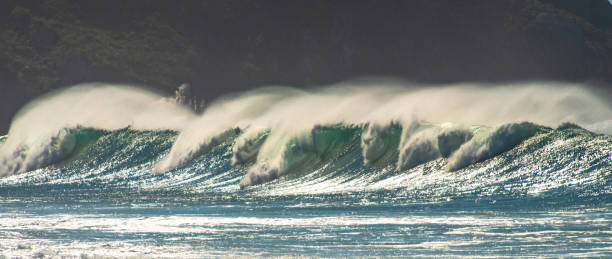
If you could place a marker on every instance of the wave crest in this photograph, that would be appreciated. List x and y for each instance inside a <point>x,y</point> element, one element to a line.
<point>486,145</point>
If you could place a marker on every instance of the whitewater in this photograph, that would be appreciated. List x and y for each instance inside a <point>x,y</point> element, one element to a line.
<point>362,168</point>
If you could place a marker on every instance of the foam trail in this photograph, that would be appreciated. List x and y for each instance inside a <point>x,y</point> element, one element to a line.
<point>42,133</point>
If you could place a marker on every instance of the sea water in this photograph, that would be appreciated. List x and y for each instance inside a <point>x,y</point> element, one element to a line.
<point>238,181</point>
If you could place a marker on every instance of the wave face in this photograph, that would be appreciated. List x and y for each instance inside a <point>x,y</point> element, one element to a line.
<point>408,171</point>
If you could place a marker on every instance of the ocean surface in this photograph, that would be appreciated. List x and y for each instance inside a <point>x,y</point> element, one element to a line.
<point>230,183</point>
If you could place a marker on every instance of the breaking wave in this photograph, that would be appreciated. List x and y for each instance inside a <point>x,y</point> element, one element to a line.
<point>47,130</point>
<point>376,131</point>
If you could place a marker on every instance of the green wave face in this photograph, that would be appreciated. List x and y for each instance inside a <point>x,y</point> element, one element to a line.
<point>321,144</point>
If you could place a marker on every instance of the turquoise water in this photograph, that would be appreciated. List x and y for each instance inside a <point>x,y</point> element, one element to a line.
<point>547,194</point>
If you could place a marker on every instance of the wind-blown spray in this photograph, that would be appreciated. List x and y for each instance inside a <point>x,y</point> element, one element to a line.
<point>276,131</point>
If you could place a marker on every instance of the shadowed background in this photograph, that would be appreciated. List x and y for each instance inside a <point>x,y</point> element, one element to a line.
<point>226,46</point>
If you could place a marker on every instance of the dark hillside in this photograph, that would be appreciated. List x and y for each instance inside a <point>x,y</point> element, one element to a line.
<point>227,45</point>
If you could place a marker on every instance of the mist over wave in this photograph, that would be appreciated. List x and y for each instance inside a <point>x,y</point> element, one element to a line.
<point>278,131</point>
<point>43,132</point>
